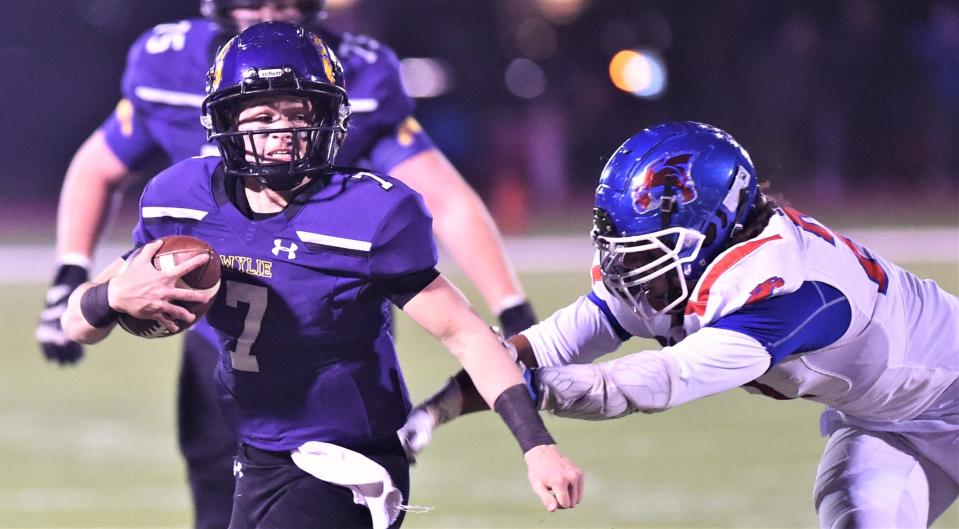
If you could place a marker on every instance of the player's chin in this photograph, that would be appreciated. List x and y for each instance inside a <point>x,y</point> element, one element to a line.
<point>657,302</point>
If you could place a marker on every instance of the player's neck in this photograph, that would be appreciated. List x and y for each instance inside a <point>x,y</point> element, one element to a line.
<point>265,200</point>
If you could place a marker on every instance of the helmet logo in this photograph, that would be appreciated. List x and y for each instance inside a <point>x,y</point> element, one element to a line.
<point>327,63</point>
<point>649,186</point>
<point>217,73</point>
<point>270,73</point>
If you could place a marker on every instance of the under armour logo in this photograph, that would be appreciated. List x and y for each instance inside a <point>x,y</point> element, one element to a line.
<point>290,250</point>
<point>237,469</point>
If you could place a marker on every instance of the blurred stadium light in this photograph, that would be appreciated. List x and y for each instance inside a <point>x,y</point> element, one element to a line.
<point>537,39</point>
<point>639,72</point>
<point>524,78</point>
<point>561,11</point>
<point>425,77</point>
<point>340,4</point>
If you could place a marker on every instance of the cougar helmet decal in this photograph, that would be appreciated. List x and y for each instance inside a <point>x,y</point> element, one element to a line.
<point>671,169</point>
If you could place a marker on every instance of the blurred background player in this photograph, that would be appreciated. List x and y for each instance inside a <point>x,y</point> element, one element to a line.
<point>742,291</point>
<point>162,91</point>
<point>306,357</point>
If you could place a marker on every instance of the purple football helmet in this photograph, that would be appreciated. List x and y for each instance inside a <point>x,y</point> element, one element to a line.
<point>276,59</point>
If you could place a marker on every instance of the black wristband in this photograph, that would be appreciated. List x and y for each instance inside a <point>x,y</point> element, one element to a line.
<point>516,319</point>
<point>95,306</point>
<point>519,414</point>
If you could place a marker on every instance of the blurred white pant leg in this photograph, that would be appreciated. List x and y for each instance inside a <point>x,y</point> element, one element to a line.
<point>872,480</point>
<point>940,451</point>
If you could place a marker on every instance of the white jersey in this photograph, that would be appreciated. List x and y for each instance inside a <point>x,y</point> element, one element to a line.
<point>898,353</point>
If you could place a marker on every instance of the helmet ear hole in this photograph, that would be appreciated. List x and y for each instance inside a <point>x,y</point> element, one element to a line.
<point>723,219</point>
<point>710,235</point>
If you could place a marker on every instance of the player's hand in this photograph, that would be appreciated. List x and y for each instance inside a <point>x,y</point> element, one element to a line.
<point>49,334</point>
<point>144,292</point>
<point>417,432</point>
<point>555,479</point>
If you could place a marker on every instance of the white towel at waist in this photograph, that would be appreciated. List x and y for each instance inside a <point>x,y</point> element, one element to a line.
<point>370,482</point>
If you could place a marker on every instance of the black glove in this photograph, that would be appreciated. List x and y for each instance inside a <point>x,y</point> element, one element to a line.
<point>55,345</point>
<point>517,318</point>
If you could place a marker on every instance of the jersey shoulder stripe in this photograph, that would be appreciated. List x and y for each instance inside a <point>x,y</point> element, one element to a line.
<point>153,212</point>
<point>698,306</point>
<point>333,241</point>
<point>813,317</point>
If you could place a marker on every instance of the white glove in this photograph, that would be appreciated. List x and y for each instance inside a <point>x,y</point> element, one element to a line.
<point>416,433</point>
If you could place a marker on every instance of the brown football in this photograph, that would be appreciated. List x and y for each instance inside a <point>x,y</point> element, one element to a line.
<point>175,250</point>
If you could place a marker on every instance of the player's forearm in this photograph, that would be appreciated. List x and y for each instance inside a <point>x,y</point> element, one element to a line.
<point>94,180</point>
<point>459,396</point>
<point>705,363</point>
<point>575,334</point>
<point>594,391</point>
<point>484,359</point>
<point>75,326</point>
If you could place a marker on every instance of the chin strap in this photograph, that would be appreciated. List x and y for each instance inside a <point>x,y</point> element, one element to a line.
<point>667,203</point>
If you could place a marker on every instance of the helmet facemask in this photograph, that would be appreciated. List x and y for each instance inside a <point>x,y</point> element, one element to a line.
<point>220,11</point>
<point>649,272</point>
<point>313,147</point>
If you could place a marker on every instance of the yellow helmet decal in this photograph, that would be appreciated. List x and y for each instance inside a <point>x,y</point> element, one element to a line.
<point>124,113</point>
<point>218,65</point>
<point>325,55</point>
<point>407,131</point>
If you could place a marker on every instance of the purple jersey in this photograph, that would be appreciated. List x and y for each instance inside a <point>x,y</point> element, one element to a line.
<point>302,318</point>
<point>164,81</point>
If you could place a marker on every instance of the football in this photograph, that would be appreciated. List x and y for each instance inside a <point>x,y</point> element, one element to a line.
<point>175,250</point>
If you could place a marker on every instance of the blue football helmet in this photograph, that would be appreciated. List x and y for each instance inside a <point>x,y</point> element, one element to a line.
<point>276,59</point>
<point>219,11</point>
<point>668,201</point>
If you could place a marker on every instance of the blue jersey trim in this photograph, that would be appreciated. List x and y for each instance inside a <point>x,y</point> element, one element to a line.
<point>622,333</point>
<point>811,318</point>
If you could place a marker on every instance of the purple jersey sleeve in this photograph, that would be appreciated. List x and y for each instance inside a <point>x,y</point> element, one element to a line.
<point>125,130</point>
<point>382,131</point>
<point>406,141</point>
<point>142,233</point>
<point>163,86</point>
<point>404,242</point>
<point>178,197</point>
<point>127,135</point>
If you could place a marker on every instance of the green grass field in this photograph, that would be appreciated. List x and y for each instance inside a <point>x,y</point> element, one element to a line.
<point>94,446</point>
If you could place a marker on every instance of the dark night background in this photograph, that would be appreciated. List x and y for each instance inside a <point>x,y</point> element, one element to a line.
<point>834,99</point>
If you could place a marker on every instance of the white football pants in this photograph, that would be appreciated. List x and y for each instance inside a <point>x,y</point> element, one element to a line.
<point>881,480</point>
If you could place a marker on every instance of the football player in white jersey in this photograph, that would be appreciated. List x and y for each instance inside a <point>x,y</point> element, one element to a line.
<point>743,292</point>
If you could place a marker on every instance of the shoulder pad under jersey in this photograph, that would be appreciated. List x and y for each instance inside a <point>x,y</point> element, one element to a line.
<point>168,63</point>
<point>769,264</point>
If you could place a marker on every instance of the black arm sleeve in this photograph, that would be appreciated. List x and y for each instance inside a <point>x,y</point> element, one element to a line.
<point>518,412</point>
<point>400,290</point>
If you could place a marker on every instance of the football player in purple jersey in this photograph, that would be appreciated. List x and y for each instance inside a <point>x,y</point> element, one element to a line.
<point>162,91</point>
<point>312,257</point>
